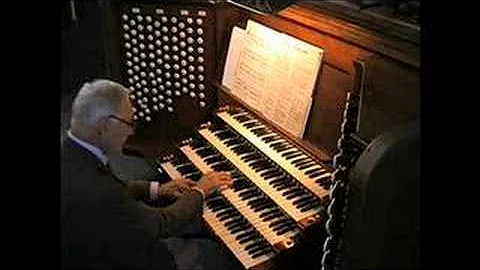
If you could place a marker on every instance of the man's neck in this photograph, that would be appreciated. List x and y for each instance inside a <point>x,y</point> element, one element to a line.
<point>86,138</point>
<point>90,144</point>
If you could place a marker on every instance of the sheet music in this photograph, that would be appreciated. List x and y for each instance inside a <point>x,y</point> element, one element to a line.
<point>234,48</point>
<point>274,73</point>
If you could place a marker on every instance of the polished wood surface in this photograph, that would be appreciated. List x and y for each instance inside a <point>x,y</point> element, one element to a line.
<point>381,37</point>
<point>344,43</point>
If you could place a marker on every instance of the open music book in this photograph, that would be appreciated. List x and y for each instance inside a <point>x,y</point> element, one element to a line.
<point>274,73</point>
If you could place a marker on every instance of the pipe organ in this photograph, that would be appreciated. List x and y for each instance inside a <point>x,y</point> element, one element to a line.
<point>289,192</point>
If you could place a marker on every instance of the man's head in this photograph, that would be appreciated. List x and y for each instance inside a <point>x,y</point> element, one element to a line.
<point>102,115</point>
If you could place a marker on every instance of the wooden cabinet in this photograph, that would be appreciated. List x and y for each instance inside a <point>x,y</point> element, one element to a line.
<point>388,51</point>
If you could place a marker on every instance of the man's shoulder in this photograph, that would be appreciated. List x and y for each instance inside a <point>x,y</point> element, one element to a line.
<point>75,154</point>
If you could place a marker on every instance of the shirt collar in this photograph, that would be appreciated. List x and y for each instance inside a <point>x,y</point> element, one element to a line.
<point>93,149</point>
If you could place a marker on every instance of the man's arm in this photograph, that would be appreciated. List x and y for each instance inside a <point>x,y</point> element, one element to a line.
<point>169,221</point>
<point>152,191</point>
<point>138,189</point>
<point>188,208</point>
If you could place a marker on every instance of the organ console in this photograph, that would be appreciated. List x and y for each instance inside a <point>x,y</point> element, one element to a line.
<point>289,200</point>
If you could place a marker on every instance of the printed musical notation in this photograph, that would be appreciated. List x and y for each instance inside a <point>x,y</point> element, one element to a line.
<point>274,73</point>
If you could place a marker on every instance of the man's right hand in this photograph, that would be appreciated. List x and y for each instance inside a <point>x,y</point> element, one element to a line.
<point>214,180</point>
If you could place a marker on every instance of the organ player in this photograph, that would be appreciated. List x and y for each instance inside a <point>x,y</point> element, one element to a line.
<point>105,221</point>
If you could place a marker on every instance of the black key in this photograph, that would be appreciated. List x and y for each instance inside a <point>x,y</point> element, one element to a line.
<point>323,179</point>
<point>271,174</point>
<point>290,191</point>
<point>216,208</point>
<point>242,118</point>
<point>198,143</point>
<point>235,221</point>
<point>249,237</point>
<point>280,226</point>
<point>252,194</point>
<point>254,244</point>
<point>264,214</point>
<point>222,166</point>
<point>284,147</point>
<point>302,199</point>
<point>318,173</point>
<point>280,145</point>
<point>229,215</point>
<point>240,184</point>
<point>269,171</point>
<point>217,124</point>
<point>307,165</point>
<point>260,162</point>
<point>300,160</point>
<point>216,201</point>
<point>238,224</point>
<point>261,252</point>
<point>291,152</point>
<point>214,159</point>
<point>236,174</point>
<point>261,131</point>
<point>271,138</point>
<point>262,168</point>
<point>309,206</point>
<point>292,156</point>
<point>252,124</point>
<point>277,181</point>
<point>234,111</point>
<point>226,134</point>
<point>205,152</point>
<point>256,202</point>
<point>314,171</point>
<point>273,145</point>
<point>304,162</point>
<point>303,203</point>
<point>250,157</point>
<point>257,249</point>
<point>286,228</point>
<point>246,234</point>
<point>284,185</point>
<point>235,141</point>
<point>241,228</point>
<point>261,206</point>
<point>226,212</point>
<point>287,224</point>
<point>242,149</point>
<point>277,222</point>
<point>247,192</point>
<point>297,193</point>
<point>272,216</point>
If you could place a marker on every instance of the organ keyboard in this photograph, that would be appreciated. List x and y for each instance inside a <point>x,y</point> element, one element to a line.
<point>172,56</point>
<point>279,189</point>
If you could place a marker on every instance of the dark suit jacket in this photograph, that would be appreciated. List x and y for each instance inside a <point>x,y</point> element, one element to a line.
<point>104,225</point>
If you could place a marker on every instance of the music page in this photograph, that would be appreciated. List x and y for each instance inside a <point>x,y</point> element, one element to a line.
<point>274,73</point>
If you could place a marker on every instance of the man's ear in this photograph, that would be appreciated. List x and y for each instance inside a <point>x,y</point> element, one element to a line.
<point>104,125</point>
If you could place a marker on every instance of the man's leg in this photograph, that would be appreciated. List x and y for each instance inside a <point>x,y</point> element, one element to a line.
<point>200,253</point>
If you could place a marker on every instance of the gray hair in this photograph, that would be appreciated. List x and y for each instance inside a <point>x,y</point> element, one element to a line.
<point>96,100</point>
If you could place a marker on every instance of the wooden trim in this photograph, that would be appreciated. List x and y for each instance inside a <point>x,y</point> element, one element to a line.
<point>312,17</point>
<point>321,154</point>
<point>338,53</point>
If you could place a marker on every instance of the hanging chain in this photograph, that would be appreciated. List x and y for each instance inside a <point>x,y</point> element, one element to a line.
<point>343,161</point>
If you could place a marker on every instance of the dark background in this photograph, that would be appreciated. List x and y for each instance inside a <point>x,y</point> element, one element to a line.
<point>82,50</point>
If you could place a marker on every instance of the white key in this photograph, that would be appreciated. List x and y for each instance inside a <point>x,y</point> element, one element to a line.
<point>286,164</point>
<point>286,205</point>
